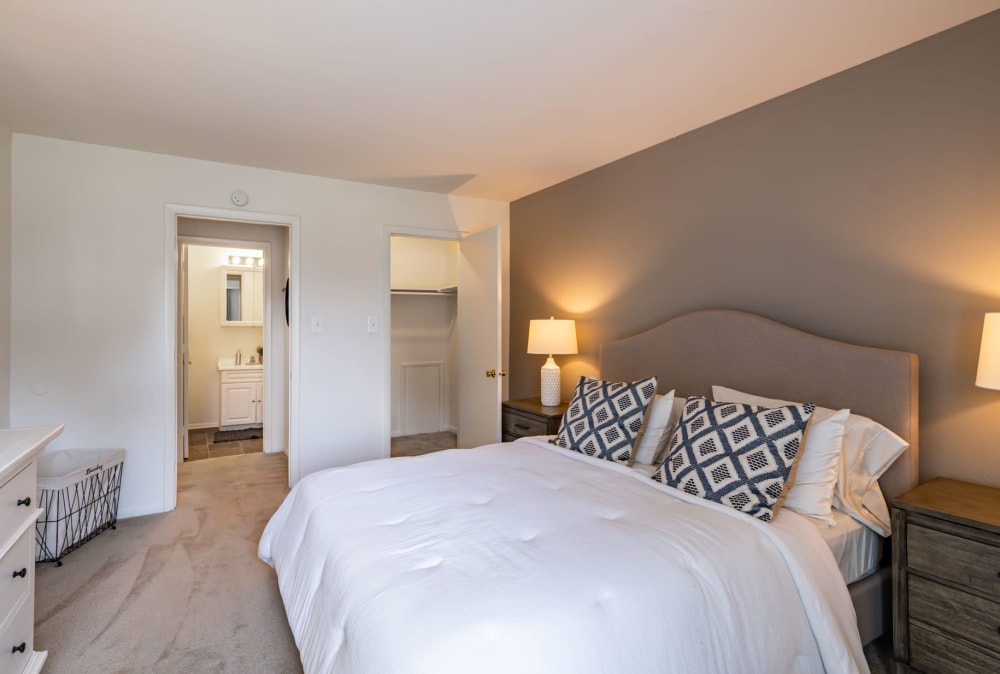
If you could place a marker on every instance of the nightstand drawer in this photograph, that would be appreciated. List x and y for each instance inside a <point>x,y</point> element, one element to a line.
<point>959,560</point>
<point>960,613</point>
<point>521,425</point>
<point>934,653</point>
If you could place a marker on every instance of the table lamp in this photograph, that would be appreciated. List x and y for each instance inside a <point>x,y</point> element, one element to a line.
<point>551,337</point>
<point>988,375</point>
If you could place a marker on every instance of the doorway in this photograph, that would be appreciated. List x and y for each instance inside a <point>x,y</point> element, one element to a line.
<point>423,282</point>
<point>221,321</point>
<point>280,335</point>
<point>452,304</point>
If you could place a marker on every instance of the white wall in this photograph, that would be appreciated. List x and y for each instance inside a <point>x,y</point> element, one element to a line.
<point>5,271</point>
<point>89,319</point>
<point>423,329</point>
<point>208,339</point>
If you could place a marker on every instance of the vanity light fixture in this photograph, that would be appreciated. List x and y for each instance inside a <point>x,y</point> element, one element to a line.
<point>551,337</point>
<point>237,261</point>
<point>988,374</point>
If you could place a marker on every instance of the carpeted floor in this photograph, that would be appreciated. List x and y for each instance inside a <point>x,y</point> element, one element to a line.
<point>177,592</point>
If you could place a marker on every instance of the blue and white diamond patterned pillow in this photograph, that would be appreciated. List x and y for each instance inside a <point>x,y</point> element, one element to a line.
<point>604,418</point>
<point>734,454</point>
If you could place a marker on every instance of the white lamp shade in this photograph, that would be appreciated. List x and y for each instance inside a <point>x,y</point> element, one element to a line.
<point>988,375</point>
<point>550,336</point>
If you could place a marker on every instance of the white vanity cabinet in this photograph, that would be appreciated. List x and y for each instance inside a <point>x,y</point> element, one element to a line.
<point>19,449</point>
<point>241,397</point>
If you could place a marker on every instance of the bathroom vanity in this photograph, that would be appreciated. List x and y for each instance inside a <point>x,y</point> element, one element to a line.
<point>241,395</point>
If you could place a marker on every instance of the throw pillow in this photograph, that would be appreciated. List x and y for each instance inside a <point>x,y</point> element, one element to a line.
<point>604,418</point>
<point>734,454</point>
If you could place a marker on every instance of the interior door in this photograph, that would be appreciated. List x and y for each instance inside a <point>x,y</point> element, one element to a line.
<point>479,326</point>
<point>183,355</point>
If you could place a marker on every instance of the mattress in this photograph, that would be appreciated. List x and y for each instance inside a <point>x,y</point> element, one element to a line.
<point>856,548</point>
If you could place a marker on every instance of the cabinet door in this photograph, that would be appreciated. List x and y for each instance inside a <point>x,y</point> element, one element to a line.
<point>238,404</point>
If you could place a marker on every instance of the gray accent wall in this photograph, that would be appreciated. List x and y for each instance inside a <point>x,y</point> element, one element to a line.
<point>864,207</point>
<point>5,265</point>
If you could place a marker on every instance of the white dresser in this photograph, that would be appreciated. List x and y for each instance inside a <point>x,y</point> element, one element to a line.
<point>19,449</point>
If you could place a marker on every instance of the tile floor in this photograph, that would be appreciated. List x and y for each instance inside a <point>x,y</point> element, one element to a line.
<point>200,445</point>
<point>424,443</point>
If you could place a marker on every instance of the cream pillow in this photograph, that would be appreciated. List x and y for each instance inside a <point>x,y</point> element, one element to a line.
<point>656,431</point>
<point>869,449</point>
<point>814,477</point>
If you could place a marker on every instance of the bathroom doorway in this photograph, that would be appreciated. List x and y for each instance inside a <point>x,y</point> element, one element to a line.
<point>231,284</point>
<point>223,315</point>
<point>281,358</point>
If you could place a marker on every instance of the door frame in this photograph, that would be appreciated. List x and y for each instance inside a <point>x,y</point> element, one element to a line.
<point>389,231</point>
<point>171,213</point>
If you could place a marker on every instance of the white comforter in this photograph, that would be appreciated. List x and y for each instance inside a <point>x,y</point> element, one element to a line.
<point>521,557</point>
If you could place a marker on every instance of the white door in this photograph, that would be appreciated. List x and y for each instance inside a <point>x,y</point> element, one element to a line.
<point>479,338</point>
<point>182,356</point>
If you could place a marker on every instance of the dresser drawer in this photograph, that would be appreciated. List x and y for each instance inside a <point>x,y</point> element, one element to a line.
<point>22,487</point>
<point>15,632</point>
<point>17,560</point>
<point>240,376</point>
<point>935,653</point>
<point>521,425</point>
<point>960,613</point>
<point>959,560</point>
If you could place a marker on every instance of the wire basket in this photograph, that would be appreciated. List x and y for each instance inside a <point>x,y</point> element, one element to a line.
<point>79,490</point>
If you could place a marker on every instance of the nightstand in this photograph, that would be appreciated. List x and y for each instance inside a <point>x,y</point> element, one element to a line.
<point>530,417</point>
<point>946,578</point>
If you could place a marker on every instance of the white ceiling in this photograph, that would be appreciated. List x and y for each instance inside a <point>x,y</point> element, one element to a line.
<point>487,98</point>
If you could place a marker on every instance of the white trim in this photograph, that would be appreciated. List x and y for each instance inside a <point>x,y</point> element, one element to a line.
<point>171,213</point>
<point>388,231</point>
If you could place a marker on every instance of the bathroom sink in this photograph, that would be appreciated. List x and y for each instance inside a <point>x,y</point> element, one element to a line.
<point>229,363</point>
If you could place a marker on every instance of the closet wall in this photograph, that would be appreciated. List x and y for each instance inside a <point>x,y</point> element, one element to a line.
<point>424,277</point>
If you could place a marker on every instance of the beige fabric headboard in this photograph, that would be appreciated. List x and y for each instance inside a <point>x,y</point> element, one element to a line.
<point>743,351</point>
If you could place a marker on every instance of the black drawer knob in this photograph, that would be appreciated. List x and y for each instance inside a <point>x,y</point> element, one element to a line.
<point>22,573</point>
<point>19,649</point>
<point>24,501</point>
<point>522,426</point>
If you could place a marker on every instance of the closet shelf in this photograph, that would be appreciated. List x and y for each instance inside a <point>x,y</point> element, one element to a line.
<point>451,290</point>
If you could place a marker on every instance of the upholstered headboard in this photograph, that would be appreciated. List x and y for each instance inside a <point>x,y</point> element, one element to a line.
<point>743,351</point>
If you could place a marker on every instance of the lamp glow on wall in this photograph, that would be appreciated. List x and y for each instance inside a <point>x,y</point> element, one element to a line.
<point>551,337</point>
<point>988,375</point>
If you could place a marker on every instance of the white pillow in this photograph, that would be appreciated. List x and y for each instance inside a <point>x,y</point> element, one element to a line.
<point>869,449</point>
<point>655,432</point>
<point>815,474</point>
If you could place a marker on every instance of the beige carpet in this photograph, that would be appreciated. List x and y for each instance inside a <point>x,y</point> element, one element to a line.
<point>178,592</point>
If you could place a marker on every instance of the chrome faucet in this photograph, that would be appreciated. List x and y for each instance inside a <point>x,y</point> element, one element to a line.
<point>239,357</point>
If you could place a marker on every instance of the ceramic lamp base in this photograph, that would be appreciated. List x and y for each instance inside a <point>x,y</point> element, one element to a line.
<point>551,390</point>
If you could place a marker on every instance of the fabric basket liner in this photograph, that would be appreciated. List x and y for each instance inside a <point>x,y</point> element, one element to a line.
<point>62,468</point>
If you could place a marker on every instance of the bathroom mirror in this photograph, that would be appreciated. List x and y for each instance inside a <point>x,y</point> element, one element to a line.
<point>242,296</point>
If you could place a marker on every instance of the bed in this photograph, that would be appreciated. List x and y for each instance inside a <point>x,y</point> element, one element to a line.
<point>529,557</point>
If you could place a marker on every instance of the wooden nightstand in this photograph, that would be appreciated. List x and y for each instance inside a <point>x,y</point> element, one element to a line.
<point>530,417</point>
<point>946,578</point>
